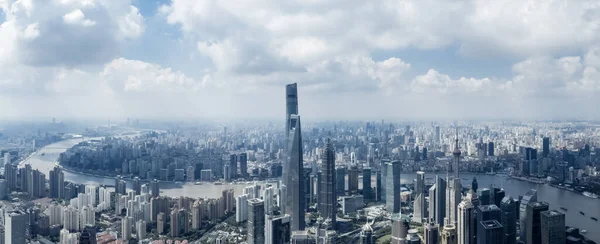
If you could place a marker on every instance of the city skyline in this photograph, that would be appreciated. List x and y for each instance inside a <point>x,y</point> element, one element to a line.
<point>89,59</point>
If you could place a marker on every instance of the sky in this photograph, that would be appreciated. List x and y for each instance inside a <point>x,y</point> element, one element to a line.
<point>397,59</point>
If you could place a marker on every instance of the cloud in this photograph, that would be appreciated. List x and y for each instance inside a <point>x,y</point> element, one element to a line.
<point>65,32</point>
<point>77,18</point>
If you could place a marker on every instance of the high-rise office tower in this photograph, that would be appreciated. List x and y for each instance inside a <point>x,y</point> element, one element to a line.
<point>420,210</point>
<point>378,186</point>
<point>366,234</point>
<point>490,232</point>
<point>432,233</point>
<point>438,135</point>
<point>154,187</point>
<point>485,197</point>
<point>488,212</point>
<point>7,160</point>
<point>474,185</point>
<point>545,147</point>
<point>491,149</point>
<point>353,180</point>
<point>328,199</point>
<point>57,183</point>
<point>449,234</point>
<point>497,196</point>
<point>227,172</point>
<point>243,157</point>
<point>533,222</point>
<point>36,183</point>
<point>293,175</point>
<point>137,185</point>
<point>24,177</point>
<point>88,235</point>
<point>256,221</point>
<point>393,187</point>
<point>366,185</point>
<point>466,222</point>
<point>277,229</point>
<point>340,181</point>
<point>529,197</point>
<point>10,174</point>
<point>553,227</point>
<point>509,219</point>
<point>437,201</point>
<point>15,223</point>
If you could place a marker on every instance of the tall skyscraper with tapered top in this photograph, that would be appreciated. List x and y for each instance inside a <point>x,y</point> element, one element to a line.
<point>293,169</point>
<point>328,199</point>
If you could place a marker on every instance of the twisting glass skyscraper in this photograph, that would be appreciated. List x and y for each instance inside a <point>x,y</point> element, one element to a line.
<point>292,167</point>
<point>328,198</point>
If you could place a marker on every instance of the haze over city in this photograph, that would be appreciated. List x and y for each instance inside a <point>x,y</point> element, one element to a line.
<point>352,60</point>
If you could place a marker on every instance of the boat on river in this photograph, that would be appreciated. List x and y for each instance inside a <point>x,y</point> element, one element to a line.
<point>582,213</point>
<point>590,195</point>
<point>563,208</point>
<point>594,218</point>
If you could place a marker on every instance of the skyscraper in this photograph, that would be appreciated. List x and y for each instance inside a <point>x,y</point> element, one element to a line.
<point>340,181</point>
<point>126,226</point>
<point>484,195</point>
<point>353,180</point>
<point>533,222</point>
<point>57,183</point>
<point>454,186</point>
<point>293,167</point>
<point>489,232</point>
<point>466,222</point>
<point>420,210</point>
<point>378,186</point>
<point>15,226</point>
<point>366,234</point>
<point>10,174</point>
<point>437,201</point>
<point>256,221</point>
<point>488,212</point>
<point>545,147</point>
<point>155,189</point>
<point>328,199</point>
<point>491,148</point>
<point>509,219</point>
<point>399,228</point>
<point>529,197</point>
<point>243,157</point>
<point>137,185</point>
<point>553,227</point>
<point>393,187</point>
<point>449,234</point>
<point>277,229</point>
<point>233,166</point>
<point>366,184</point>
<point>432,233</point>
<point>241,208</point>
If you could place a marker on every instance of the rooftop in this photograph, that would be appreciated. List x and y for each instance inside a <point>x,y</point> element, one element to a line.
<point>491,224</point>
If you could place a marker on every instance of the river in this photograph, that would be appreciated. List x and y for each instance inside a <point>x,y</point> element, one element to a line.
<point>557,198</point>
